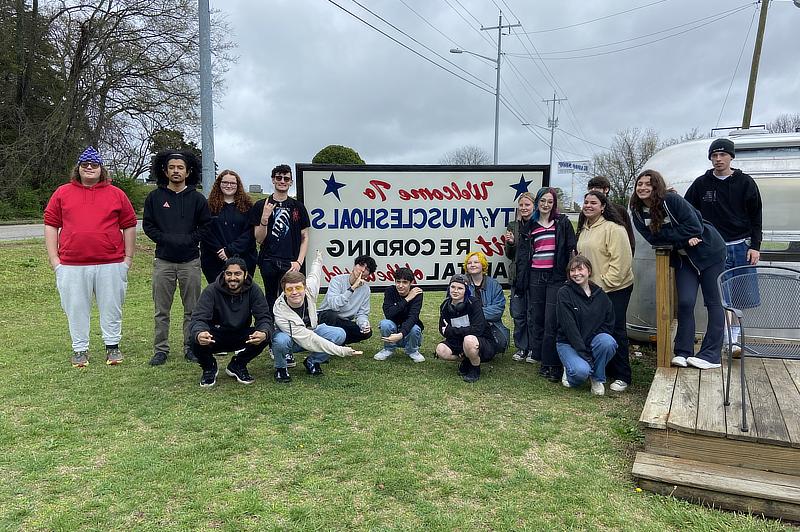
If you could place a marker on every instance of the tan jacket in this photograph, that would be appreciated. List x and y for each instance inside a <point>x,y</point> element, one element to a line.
<point>607,246</point>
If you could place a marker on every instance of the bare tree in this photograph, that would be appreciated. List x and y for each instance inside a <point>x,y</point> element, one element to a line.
<point>470,154</point>
<point>785,123</point>
<point>630,149</point>
<point>692,134</point>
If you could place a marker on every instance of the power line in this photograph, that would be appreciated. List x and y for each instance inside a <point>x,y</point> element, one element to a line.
<point>426,21</point>
<point>599,18</point>
<point>735,70</point>
<point>474,28</point>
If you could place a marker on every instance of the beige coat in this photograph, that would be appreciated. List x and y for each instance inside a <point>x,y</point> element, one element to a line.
<point>607,246</point>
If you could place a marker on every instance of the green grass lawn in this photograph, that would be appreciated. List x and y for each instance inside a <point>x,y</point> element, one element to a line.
<point>370,445</point>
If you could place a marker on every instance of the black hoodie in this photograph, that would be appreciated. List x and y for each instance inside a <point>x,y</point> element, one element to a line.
<point>219,309</point>
<point>732,205</point>
<point>176,222</point>
<point>582,317</point>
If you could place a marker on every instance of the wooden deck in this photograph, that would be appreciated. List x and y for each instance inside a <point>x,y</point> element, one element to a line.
<point>695,449</point>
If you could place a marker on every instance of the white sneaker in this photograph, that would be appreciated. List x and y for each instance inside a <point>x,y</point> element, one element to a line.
<point>598,388</point>
<point>530,360</point>
<point>618,386</point>
<point>564,382</point>
<point>416,356</point>
<point>383,354</point>
<point>519,356</point>
<point>679,361</point>
<point>701,364</point>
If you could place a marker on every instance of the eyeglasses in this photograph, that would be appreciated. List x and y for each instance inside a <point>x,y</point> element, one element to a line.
<point>227,183</point>
<point>286,178</point>
<point>90,165</point>
<point>294,289</point>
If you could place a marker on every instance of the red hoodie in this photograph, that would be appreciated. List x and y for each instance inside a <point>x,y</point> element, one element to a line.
<point>91,220</point>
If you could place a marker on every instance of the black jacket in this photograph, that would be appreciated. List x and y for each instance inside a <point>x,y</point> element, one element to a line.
<point>582,317</point>
<point>404,314</point>
<point>176,222</point>
<point>477,322</point>
<point>684,223</point>
<point>732,205</point>
<point>220,310</point>
<point>229,229</point>
<point>565,248</point>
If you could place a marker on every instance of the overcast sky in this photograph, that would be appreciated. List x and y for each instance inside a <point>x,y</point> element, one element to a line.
<point>309,74</point>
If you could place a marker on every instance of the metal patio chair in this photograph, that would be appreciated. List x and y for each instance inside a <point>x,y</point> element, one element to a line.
<point>765,303</point>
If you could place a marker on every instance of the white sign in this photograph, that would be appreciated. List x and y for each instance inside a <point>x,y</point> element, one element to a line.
<point>424,217</point>
<point>568,167</point>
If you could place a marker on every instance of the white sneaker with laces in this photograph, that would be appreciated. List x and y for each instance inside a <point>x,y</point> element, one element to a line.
<point>564,382</point>
<point>700,363</point>
<point>679,361</point>
<point>598,388</point>
<point>519,356</point>
<point>383,354</point>
<point>416,356</point>
<point>618,386</point>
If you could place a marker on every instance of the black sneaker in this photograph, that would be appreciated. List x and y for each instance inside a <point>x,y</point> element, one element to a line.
<point>312,368</point>
<point>290,361</point>
<point>239,373</point>
<point>282,375</point>
<point>473,375</point>
<point>190,357</point>
<point>463,367</point>
<point>209,377</point>
<point>158,359</point>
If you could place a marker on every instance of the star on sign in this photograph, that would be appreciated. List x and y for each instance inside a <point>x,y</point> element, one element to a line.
<point>521,187</point>
<point>332,187</point>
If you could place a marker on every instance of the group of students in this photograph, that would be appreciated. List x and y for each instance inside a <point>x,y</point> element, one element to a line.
<point>569,289</point>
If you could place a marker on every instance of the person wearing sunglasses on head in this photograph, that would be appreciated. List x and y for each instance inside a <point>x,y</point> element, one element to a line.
<point>90,236</point>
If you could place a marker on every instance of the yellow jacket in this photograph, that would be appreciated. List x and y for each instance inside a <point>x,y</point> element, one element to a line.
<point>607,246</point>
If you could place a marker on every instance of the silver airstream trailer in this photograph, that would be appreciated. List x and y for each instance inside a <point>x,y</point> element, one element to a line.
<point>773,160</point>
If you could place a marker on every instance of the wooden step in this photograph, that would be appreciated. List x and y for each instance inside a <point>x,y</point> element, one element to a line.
<point>733,488</point>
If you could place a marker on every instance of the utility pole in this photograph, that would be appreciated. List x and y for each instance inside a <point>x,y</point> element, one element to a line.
<point>206,103</point>
<point>552,123</point>
<point>751,86</point>
<point>499,29</point>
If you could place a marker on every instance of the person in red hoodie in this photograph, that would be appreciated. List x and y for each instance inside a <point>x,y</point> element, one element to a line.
<point>90,235</point>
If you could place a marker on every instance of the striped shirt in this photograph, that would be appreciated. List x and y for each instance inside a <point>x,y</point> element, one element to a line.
<point>544,247</point>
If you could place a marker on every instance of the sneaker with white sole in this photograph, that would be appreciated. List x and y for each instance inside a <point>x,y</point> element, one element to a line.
<point>598,388</point>
<point>416,356</point>
<point>530,360</point>
<point>678,360</point>
<point>113,356</point>
<point>564,382</point>
<point>80,359</point>
<point>383,354</point>
<point>519,356</point>
<point>699,363</point>
<point>290,361</point>
<point>209,377</point>
<point>618,386</point>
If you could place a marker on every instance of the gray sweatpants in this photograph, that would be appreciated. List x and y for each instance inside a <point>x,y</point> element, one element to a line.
<point>76,286</point>
<point>166,275</point>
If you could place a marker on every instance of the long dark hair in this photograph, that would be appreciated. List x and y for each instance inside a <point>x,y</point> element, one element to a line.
<point>657,212</point>
<point>609,214</point>
<point>216,199</point>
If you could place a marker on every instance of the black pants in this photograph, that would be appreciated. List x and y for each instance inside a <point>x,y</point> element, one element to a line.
<point>541,317</point>
<point>619,367</point>
<point>272,270</point>
<point>225,341</point>
<point>351,328</point>
<point>518,308</point>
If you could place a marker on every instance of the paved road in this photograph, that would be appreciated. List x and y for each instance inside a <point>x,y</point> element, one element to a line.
<point>25,232</point>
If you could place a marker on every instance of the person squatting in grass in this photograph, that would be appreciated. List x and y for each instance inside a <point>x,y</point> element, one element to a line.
<point>175,218</point>
<point>466,333</point>
<point>90,236</point>
<point>546,243</point>
<point>401,326</point>
<point>346,303</point>
<point>229,233</point>
<point>603,239</point>
<point>490,293</point>
<point>231,315</point>
<point>585,323</point>
<point>298,327</point>
<point>698,256</point>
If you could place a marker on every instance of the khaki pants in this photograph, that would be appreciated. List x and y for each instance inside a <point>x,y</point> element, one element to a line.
<point>166,276</point>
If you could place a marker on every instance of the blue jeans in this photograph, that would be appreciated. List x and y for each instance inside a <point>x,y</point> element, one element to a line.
<point>686,282</point>
<point>746,285</point>
<point>578,370</point>
<point>410,342</point>
<point>282,344</point>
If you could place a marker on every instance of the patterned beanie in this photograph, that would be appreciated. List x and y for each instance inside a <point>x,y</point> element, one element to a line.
<point>90,155</point>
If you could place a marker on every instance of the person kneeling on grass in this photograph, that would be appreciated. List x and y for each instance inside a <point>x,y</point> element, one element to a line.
<point>466,334</point>
<point>402,326</point>
<point>585,322</point>
<point>221,322</point>
<point>298,326</point>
